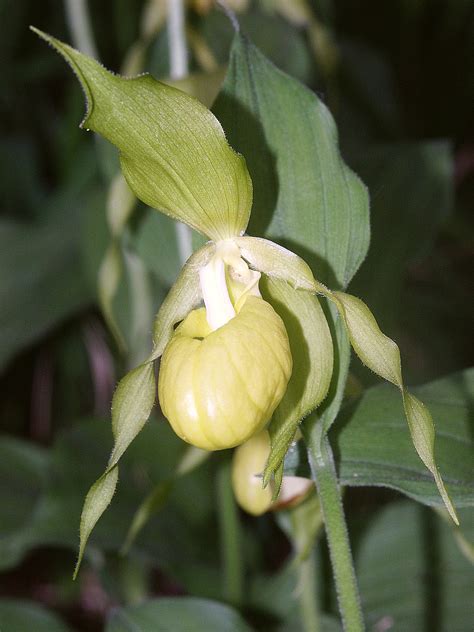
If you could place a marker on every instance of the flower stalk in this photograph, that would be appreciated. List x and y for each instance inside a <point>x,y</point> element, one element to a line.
<point>324,475</point>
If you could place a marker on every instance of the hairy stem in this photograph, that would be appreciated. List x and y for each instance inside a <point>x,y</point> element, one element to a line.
<point>229,525</point>
<point>324,475</point>
<point>309,610</point>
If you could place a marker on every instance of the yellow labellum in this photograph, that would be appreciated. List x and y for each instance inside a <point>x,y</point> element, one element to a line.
<point>218,388</point>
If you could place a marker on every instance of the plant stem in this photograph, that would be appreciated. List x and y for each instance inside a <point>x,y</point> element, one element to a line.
<point>178,70</point>
<point>307,596</point>
<point>230,536</point>
<point>324,475</point>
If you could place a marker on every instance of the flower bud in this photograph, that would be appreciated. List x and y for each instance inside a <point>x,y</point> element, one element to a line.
<point>247,466</point>
<point>219,387</point>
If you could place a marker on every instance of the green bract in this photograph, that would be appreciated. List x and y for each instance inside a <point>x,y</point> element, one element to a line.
<point>226,368</point>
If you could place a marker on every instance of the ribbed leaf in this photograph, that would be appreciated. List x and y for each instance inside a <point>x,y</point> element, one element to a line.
<point>173,152</point>
<point>306,198</point>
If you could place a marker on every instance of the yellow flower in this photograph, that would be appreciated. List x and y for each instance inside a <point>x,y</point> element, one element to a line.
<point>220,385</point>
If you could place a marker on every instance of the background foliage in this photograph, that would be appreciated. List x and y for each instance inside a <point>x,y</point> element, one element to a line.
<point>396,78</point>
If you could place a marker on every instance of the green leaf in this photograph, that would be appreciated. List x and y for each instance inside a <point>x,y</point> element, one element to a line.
<point>173,152</point>
<point>159,495</point>
<point>312,352</point>
<point>306,198</point>
<point>412,195</point>
<point>373,447</point>
<point>180,614</point>
<point>412,576</point>
<point>18,615</point>
<point>23,475</point>
<point>34,297</point>
<point>382,356</point>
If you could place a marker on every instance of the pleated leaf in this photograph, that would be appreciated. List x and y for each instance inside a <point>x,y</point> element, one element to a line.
<point>173,151</point>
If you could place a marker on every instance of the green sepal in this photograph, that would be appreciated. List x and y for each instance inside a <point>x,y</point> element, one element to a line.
<point>312,352</point>
<point>173,151</point>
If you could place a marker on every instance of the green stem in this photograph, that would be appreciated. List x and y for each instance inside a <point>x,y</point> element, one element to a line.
<point>308,594</point>
<point>324,475</point>
<point>230,535</point>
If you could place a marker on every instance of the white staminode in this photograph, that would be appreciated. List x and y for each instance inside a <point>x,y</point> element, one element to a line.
<point>219,307</point>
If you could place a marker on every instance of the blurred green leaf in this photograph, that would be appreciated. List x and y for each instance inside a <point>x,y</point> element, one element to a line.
<point>412,575</point>
<point>373,446</point>
<point>268,30</point>
<point>180,614</point>
<point>179,537</point>
<point>156,243</point>
<point>305,197</point>
<point>411,188</point>
<point>23,470</point>
<point>173,152</point>
<point>23,616</point>
<point>41,280</point>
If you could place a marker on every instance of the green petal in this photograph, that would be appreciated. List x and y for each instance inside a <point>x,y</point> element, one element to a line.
<point>96,502</point>
<point>382,356</point>
<point>173,151</point>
